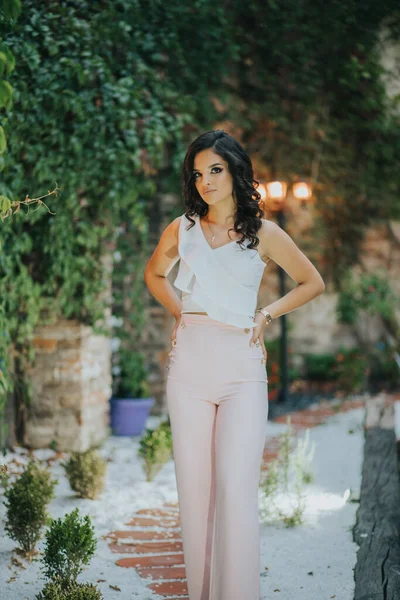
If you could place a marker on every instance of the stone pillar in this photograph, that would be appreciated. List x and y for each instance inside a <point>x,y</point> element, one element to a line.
<point>71,387</point>
<point>71,382</point>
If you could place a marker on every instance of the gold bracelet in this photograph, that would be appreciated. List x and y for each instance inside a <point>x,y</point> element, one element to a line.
<point>266,314</point>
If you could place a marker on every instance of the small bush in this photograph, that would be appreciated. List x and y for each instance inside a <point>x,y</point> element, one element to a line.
<point>77,591</point>
<point>351,369</point>
<point>155,447</point>
<point>27,500</point>
<point>166,426</point>
<point>320,367</point>
<point>86,472</point>
<point>70,544</point>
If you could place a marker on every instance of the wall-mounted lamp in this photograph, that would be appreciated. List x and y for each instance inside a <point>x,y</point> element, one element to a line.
<point>302,191</point>
<point>276,190</point>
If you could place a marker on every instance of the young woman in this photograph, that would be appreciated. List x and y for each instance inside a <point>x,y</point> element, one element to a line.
<point>217,384</point>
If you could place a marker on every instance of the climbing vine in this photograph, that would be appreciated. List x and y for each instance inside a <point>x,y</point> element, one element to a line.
<point>100,104</point>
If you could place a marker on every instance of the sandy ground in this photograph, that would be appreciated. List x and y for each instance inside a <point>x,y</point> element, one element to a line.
<point>313,561</point>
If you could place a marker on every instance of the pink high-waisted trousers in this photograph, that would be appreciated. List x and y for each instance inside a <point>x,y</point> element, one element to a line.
<point>217,397</point>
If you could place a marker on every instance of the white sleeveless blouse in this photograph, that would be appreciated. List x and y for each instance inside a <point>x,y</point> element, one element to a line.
<point>223,282</point>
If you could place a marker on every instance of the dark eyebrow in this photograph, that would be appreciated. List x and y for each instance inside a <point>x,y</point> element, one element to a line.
<point>209,166</point>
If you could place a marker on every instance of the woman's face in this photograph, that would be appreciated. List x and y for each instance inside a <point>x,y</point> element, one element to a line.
<point>210,172</point>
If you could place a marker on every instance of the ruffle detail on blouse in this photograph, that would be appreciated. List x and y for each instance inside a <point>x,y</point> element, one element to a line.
<point>206,278</point>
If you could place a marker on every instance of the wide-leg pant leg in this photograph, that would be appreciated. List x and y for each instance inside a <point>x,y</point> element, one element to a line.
<point>217,402</point>
<point>193,437</point>
<point>239,444</point>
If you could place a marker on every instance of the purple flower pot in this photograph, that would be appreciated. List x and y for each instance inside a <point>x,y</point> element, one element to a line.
<point>129,415</point>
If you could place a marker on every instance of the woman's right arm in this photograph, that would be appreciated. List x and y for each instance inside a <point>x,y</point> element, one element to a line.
<point>164,257</point>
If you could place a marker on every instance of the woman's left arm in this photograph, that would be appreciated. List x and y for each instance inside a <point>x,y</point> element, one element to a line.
<point>276,244</point>
<point>280,247</point>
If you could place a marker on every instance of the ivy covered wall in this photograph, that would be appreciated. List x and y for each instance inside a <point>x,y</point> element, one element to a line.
<point>100,104</point>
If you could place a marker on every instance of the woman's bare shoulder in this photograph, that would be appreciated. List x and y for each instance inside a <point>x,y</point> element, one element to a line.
<point>267,229</point>
<point>267,226</point>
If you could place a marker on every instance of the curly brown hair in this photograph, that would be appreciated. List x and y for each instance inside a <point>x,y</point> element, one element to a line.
<point>248,212</point>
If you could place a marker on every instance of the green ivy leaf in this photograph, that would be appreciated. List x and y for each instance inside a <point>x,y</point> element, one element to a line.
<point>3,141</point>
<point>6,93</point>
<point>5,204</point>
<point>11,9</point>
<point>7,58</point>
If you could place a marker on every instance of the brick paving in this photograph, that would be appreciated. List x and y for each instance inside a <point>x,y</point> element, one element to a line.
<point>156,551</point>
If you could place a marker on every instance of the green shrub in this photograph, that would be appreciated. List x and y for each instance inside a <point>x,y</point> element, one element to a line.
<point>155,446</point>
<point>166,426</point>
<point>86,472</point>
<point>369,292</point>
<point>351,369</point>
<point>26,502</point>
<point>319,367</point>
<point>77,591</point>
<point>70,544</point>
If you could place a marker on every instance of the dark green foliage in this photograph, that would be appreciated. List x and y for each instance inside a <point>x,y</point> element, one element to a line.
<point>368,292</point>
<point>354,368</point>
<point>319,367</point>
<point>26,502</point>
<point>86,472</point>
<point>77,591</point>
<point>70,544</point>
<point>10,9</point>
<point>348,368</point>
<point>103,93</point>
<point>384,371</point>
<point>372,294</point>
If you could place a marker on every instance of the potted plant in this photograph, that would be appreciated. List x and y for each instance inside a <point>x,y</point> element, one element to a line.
<point>131,402</point>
